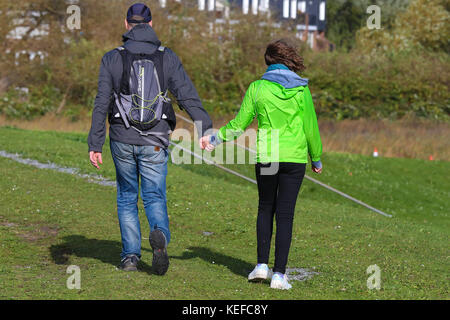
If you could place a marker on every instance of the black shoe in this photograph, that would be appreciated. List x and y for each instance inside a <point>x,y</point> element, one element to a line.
<point>129,263</point>
<point>160,262</point>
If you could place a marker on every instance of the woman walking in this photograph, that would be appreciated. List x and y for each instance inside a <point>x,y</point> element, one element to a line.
<point>287,133</point>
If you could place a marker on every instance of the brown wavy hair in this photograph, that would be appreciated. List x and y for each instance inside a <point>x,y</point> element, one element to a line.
<point>284,52</point>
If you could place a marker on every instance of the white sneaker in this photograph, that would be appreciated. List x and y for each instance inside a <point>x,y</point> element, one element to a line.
<point>260,273</point>
<point>280,281</point>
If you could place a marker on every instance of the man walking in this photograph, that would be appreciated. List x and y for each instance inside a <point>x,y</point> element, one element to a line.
<point>141,155</point>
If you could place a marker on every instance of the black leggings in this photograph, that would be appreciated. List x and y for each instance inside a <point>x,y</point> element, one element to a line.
<point>278,193</point>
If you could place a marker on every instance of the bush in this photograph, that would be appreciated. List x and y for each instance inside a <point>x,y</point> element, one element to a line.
<point>356,85</point>
<point>366,82</point>
<point>28,105</point>
<point>424,26</point>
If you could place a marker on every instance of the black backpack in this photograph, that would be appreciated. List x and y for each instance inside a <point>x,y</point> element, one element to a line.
<point>142,100</point>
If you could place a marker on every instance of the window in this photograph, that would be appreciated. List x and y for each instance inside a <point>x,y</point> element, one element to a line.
<point>322,11</point>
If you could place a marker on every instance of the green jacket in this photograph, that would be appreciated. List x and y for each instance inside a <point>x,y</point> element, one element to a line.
<point>287,123</point>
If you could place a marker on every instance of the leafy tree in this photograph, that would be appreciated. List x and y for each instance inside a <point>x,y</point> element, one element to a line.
<point>346,17</point>
<point>424,26</point>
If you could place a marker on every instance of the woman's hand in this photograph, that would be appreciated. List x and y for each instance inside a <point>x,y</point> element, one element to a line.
<point>316,170</point>
<point>316,166</point>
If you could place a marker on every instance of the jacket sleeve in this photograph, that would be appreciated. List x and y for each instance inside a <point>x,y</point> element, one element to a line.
<point>97,134</point>
<point>311,128</point>
<point>181,86</point>
<point>243,119</point>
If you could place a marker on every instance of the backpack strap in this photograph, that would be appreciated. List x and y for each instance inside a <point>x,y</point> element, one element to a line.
<point>125,68</point>
<point>158,59</point>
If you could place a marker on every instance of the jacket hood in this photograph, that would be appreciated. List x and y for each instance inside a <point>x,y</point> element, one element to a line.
<point>142,33</point>
<point>289,82</point>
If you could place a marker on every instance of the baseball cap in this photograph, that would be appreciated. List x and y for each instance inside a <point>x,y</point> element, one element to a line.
<point>141,10</point>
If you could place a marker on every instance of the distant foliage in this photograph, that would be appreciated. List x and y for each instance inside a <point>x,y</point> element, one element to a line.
<point>27,105</point>
<point>424,26</point>
<point>355,86</point>
<point>346,17</point>
<point>394,72</point>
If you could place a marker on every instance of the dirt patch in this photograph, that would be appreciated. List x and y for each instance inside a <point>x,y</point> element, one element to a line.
<point>8,224</point>
<point>39,232</point>
<point>31,232</point>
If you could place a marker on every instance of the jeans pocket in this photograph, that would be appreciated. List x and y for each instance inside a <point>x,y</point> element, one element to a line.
<point>154,154</point>
<point>121,151</point>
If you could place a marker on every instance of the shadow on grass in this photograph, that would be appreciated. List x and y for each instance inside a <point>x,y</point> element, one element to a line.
<point>237,266</point>
<point>107,251</point>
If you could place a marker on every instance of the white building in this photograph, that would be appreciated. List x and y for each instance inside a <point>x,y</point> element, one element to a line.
<point>308,15</point>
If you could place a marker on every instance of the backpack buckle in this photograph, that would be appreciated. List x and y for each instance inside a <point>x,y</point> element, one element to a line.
<point>165,98</point>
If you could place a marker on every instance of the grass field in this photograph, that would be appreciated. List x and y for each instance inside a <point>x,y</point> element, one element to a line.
<point>50,220</point>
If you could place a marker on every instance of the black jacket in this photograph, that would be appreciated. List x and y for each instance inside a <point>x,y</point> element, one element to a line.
<point>141,39</point>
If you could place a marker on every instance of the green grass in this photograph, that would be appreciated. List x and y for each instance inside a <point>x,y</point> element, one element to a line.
<point>50,220</point>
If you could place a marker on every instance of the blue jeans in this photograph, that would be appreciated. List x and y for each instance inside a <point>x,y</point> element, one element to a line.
<point>149,163</point>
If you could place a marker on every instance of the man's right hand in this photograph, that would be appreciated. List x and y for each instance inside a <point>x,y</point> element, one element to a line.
<point>96,158</point>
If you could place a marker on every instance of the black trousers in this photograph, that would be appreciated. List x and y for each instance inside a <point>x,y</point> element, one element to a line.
<point>278,191</point>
